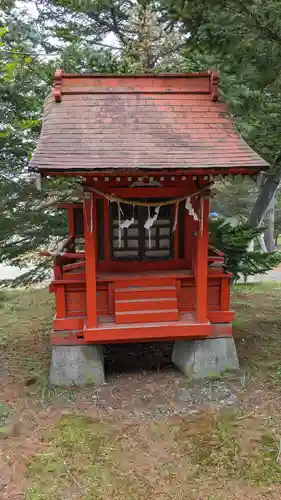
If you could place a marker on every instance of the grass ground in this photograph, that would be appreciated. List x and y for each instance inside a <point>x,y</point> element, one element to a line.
<point>131,439</point>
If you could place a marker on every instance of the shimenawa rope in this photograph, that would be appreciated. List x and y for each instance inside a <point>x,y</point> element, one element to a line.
<point>117,199</point>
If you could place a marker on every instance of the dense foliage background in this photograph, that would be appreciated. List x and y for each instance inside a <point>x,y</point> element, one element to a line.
<point>241,38</point>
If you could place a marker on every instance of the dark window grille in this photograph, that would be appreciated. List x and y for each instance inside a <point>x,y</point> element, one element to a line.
<point>135,241</point>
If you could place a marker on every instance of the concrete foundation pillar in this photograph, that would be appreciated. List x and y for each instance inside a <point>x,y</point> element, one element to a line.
<point>205,358</point>
<point>77,365</point>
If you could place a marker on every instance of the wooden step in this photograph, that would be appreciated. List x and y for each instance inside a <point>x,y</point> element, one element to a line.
<point>151,303</point>
<point>151,292</point>
<point>146,316</point>
<point>145,282</point>
<point>186,327</point>
<point>146,301</point>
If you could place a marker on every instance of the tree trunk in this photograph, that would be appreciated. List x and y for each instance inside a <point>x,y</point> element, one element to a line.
<point>264,199</point>
<point>262,243</point>
<point>269,233</point>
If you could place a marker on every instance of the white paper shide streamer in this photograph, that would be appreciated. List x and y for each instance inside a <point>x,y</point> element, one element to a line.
<point>190,209</point>
<point>153,213</point>
<point>149,223</point>
<point>150,206</point>
<point>125,224</point>
<point>128,222</point>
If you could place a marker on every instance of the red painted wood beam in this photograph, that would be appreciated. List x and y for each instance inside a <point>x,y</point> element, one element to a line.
<point>220,316</point>
<point>106,232</point>
<point>90,254</point>
<point>154,192</point>
<point>66,205</point>
<point>201,264</point>
<point>161,172</point>
<point>60,302</point>
<point>64,255</point>
<point>103,335</point>
<point>70,218</point>
<point>225,294</point>
<point>67,338</point>
<point>69,324</point>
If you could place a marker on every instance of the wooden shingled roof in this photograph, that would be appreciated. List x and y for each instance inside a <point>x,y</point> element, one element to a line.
<point>109,122</point>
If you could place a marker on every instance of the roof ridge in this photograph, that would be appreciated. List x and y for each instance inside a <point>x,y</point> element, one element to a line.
<point>104,83</point>
<point>60,73</point>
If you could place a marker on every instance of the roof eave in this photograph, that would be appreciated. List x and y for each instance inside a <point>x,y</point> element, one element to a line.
<point>200,170</point>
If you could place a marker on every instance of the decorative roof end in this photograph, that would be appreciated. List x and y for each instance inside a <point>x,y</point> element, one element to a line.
<point>215,85</point>
<point>57,84</point>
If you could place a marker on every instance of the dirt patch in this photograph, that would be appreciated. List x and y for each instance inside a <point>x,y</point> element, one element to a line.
<point>149,459</point>
<point>149,432</point>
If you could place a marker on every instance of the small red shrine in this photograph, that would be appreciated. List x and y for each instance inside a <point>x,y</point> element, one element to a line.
<point>146,150</point>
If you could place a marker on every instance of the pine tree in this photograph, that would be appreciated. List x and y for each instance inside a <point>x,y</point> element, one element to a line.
<point>234,198</point>
<point>234,241</point>
<point>242,39</point>
<point>69,35</point>
<point>142,36</point>
<point>23,81</point>
<point>29,220</point>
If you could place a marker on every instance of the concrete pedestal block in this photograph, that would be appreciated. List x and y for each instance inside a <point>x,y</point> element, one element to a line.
<point>205,358</point>
<point>77,365</point>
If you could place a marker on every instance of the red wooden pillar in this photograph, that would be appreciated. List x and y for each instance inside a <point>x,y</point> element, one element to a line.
<point>70,214</point>
<point>106,232</point>
<point>90,258</point>
<point>201,264</point>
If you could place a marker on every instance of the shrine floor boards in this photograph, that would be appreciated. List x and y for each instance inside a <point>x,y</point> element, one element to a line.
<point>149,432</point>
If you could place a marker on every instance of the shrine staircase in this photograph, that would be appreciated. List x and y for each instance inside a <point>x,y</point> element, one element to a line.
<point>147,301</point>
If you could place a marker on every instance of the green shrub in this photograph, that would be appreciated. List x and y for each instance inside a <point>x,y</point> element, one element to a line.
<point>234,243</point>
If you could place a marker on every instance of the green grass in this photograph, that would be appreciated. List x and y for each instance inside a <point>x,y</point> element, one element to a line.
<point>6,413</point>
<point>224,447</point>
<point>257,327</point>
<point>26,318</point>
<point>25,325</point>
<point>77,448</point>
<point>85,457</point>
<point>3,297</point>
<point>98,460</point>
<point>213,455</point>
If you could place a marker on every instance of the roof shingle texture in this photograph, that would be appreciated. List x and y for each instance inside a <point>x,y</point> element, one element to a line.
<point>139,123</point>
